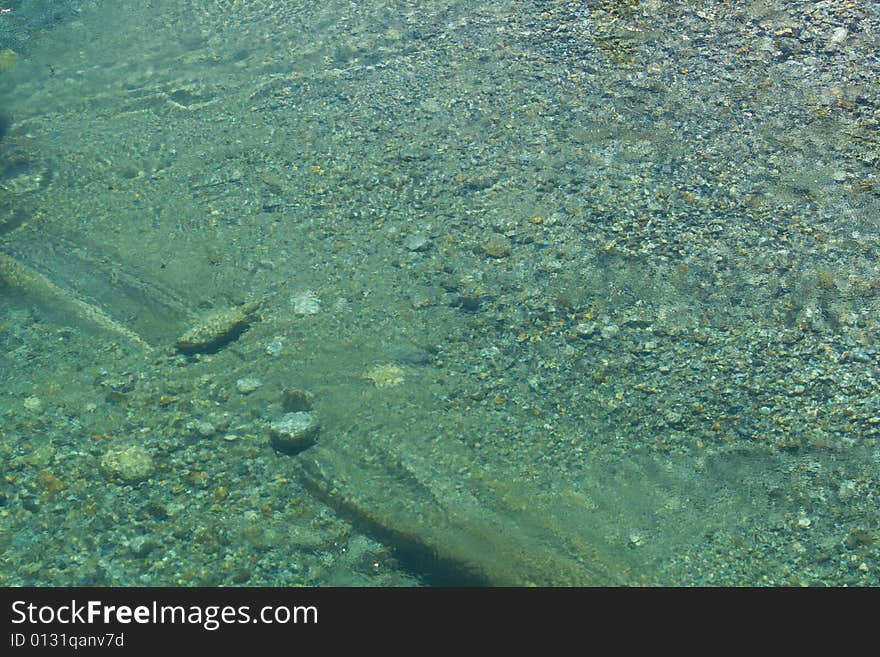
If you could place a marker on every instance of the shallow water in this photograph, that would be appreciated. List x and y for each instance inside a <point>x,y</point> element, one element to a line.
<point>574,300</point>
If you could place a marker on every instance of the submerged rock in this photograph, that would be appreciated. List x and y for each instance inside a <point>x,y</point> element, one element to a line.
<point>248,384</point>
<point>131,464</point>
<point>214,331</point>
<point>294,400</point>
<point>294,432</point>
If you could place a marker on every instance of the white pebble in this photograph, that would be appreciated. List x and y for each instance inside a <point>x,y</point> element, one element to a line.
<point>247,385</point>
<point>33,403</point>
<point>306,303</point>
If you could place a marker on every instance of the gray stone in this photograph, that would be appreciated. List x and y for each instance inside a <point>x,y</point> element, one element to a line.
<point>294,400</point>
<point>201,428</point>
<point>132,464</point>
<point>417,242</point>
<point>247,385</point>
<point>294,432</point>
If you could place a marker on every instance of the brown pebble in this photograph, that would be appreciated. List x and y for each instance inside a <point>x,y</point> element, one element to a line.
<point>496,245</point>
<point>214,331</point>
<point>50,484</point>
<point>294,400</point>
<point>198,478</point>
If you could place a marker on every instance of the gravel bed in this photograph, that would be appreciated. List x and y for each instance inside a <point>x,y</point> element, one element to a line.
<point>624,251</point>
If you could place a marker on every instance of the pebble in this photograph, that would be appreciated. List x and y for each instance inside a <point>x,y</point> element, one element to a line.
<point>33,404</point>
<point>41,456</point>
<point>417,242</point>
<point>50,484</point>
<point>609,331</point>
<point>294,400</point>
<point>306,303</point>
<point>586,329</point>
<point>294,432</point>
<point>132,464</point>
<point>496,245</point>
<point>275,348</point>
<point>202,427</point>
<point>847,489</point>
<point>838,36</point>
<point>672,417</point>
<point>214,331</point>
<point>385,376</point>
<point>141,546</point>
<point>247,385</point>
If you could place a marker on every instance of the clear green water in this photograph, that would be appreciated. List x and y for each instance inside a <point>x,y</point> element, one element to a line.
<point>565,314</point>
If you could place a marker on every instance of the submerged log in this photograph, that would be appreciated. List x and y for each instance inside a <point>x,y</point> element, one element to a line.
<point>31,283</point>
<point>454,525</point>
